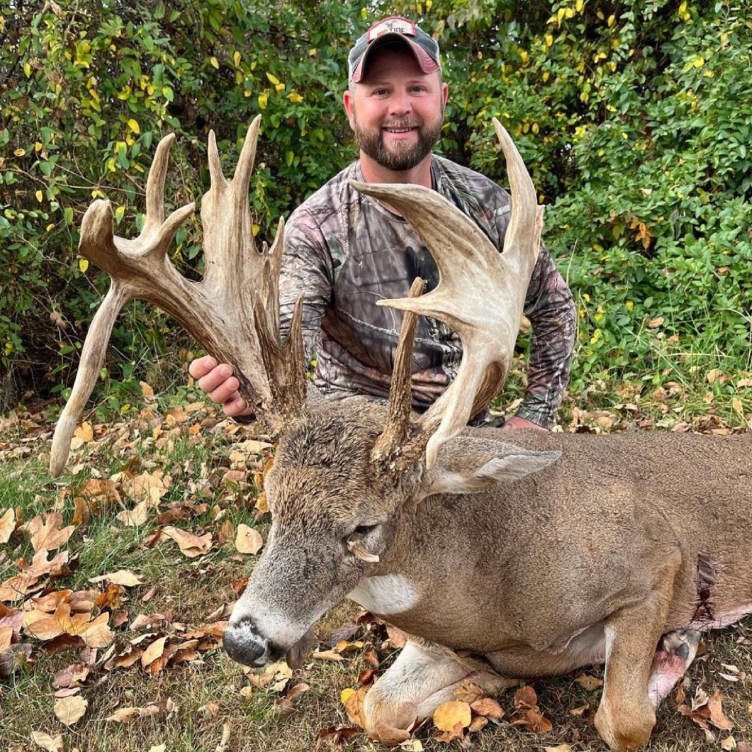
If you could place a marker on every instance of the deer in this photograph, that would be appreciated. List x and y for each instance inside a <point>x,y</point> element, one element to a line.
<point>502,555</point>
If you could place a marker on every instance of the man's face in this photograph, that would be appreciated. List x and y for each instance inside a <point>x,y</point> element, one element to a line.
<point>396,111</point>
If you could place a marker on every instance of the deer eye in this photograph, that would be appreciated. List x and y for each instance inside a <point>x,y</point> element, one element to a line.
<point>364,529</point>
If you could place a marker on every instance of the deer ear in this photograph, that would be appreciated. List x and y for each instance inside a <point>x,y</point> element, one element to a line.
<point>468,465</point>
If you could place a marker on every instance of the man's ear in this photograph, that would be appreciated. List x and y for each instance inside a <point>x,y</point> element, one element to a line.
<point>347,103</point>
<point>466,465</point>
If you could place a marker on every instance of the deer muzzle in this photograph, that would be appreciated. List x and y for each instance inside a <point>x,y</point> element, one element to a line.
<point>244,644</point>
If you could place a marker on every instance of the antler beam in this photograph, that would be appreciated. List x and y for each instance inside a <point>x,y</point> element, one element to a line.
<point>233,312</point>
<point>481,292</point>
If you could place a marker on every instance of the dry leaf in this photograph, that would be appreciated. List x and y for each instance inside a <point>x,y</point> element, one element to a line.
<point>45,741</point>
<point>588,683</point>
<point>7,524</point>
<point>535,721</point>
<point>85,432</point>
<point>136,517</point>
<point>190,545</point>
<point>124,715</point>
<point>248,540</point>
<point>50,534</point>
<point>525,697</point>
<point>123,577</point>
<point>153,652</point>
<point>451,713</point>
<point>478,723</point>
<point>70,710</point>
<point>729,743</point>
<point>560,748</point>
<point>488,708</point>
<point>717,717</point>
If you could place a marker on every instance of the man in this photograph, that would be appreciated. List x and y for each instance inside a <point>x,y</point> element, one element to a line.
<point>345,251</point>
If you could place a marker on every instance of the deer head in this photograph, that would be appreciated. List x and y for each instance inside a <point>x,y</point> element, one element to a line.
<point>345,475</point>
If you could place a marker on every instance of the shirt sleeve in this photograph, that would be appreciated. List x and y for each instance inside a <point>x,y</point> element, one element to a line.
<point>306,269</point>
<point>550,307</point>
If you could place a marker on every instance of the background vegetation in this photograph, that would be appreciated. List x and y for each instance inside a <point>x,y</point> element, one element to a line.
<point>634,117</point>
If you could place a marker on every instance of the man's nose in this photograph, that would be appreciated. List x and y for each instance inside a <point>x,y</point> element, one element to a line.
<point>400,104</point>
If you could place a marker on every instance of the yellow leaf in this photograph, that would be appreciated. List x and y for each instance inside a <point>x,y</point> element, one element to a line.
<point>83,264</point>
<point>84,431</point>
<point>346,694</point>
<point>40,196</point>
<point>448,715</point>
<point>214,62</point>
<point>134,126</point>
<point>236,58</point>
<point>263,98</point>
<point>279,87</point>
<point>273,79</point>
<point>19,152</point>
<point>294,97</point>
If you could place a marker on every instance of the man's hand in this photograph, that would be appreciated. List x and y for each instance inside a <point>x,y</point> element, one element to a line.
<point>217,381</point>
<point>516,422</point>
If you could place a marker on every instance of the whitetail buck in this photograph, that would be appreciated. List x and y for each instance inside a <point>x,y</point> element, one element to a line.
<point>519,554</point>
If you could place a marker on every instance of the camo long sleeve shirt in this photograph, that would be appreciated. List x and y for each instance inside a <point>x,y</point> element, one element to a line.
<point>345,251</point>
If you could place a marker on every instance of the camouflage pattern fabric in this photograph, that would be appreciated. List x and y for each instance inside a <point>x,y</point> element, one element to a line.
<point>344,251</point>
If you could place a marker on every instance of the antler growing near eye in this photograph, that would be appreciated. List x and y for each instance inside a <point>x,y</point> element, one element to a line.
<point>480,295</point>
<point>233,312</point>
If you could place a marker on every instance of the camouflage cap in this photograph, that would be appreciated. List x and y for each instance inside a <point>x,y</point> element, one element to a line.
<point>395,28</point>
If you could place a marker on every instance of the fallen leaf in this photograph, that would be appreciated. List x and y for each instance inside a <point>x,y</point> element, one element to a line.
<point>123,577</point>
<point>729,743</point>
<point>478,723</point>
<point>7,524</point>
<point>124,715</point>
<point>70,710</point>
<point>136,517</point>
<point>190,545</point>
<point>560,748</point>
<point>84,431</point>
<point>717,717</point>
<point>451,713</point>
<point>248,540</point>
<point>48,534</point>
<point>45,741</point>
<point>525,697</point>
<point>154,651</point>
<point>588,683</point>
<point>488,708</point>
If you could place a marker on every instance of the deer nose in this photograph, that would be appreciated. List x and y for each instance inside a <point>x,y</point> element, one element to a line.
<point>243,644</point>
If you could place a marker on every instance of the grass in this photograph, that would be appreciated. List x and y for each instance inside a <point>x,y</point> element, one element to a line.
<point>212,694</point>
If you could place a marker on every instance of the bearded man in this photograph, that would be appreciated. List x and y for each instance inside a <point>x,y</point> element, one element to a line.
<point>344,251</point>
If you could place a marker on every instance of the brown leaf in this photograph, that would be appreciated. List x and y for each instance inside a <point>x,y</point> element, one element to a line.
<point>48,534</point>
<point>451,713</point>
<point>525,697</point>
<point>7,524</point>
<point>535,721</point>
<point>136,517</point>
<point>588,683</point>
<point>70,710</point>
<point>284,705</point>
<point>45,741</point>
<point>728,744</point>
<point>124,715</point>
<point>248,540</point>
<point>479,722</point>
<point>84,431</point>
<point>149,487</point>
<point>488,708</point>
<point>559,748</point>
<point>190,545</point>
<point>717,717</point>
<point>154,651</point>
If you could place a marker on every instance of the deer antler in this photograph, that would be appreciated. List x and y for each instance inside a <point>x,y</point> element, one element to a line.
<point>481,292</point>
<point>233,312</point>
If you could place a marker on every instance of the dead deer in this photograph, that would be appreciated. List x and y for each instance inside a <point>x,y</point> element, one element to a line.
<point>502,554</point>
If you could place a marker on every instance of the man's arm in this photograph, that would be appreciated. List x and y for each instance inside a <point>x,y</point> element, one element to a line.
<point>550,307</point>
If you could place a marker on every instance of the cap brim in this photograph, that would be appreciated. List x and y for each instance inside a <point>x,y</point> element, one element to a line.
<point>425,62</point>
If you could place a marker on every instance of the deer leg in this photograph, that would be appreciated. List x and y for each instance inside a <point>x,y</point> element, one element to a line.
<point>626,715</point>
<point>673,657</point>
<point>422,678</point>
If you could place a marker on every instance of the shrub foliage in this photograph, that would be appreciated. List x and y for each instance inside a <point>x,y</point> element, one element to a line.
<point>634,118</point>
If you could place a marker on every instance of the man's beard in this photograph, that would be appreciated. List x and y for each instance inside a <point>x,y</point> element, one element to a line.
<point>372,144</point>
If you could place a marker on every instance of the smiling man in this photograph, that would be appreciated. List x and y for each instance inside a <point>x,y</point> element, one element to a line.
<point>345,251</point>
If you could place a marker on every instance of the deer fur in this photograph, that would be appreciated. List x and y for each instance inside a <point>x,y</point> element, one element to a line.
<point>525,554</point>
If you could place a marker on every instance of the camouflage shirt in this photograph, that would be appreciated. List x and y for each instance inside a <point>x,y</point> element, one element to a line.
<point>345,251</point>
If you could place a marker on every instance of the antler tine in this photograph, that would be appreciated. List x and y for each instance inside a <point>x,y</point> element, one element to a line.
<point>481,292</point>
<point>227,312</point>
<point>390,443</point>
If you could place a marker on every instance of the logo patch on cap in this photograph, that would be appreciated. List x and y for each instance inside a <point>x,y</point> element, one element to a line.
<point>391,26</point>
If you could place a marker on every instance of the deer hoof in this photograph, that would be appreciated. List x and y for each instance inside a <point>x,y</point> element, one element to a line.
<point>625,732</point>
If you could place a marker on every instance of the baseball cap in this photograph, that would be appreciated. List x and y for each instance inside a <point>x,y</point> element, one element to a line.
<point>394,28</point>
